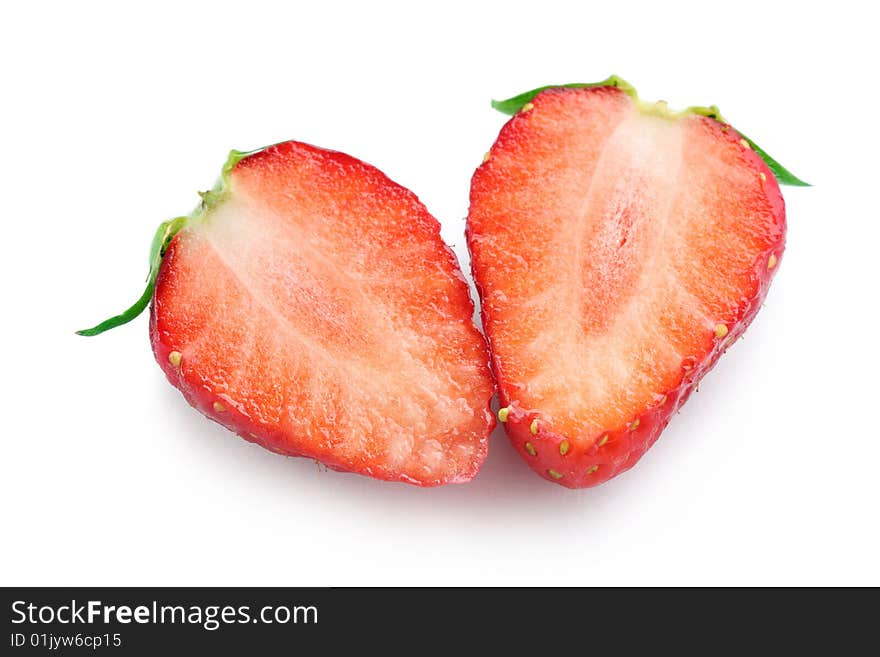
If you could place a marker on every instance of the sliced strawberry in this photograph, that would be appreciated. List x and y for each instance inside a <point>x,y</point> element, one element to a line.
<point>619,248</point>
<point>310,306</point>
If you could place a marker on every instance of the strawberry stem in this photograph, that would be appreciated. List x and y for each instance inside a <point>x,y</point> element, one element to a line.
<point>161,240</point>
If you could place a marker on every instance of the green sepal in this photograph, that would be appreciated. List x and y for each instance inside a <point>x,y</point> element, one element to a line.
<point>783,175</point>
<point>513,105</point>
<point>164,234</point>
<point>161,240</point>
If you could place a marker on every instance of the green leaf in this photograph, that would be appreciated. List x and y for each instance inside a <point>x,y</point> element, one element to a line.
<point>513,105</point>
<point>161,240</point>
<point>783,175</point>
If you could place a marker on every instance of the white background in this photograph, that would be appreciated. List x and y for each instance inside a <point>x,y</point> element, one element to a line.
<point>113,117</point>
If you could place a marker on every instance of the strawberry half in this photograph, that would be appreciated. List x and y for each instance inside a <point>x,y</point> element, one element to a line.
<point>310,305</point>
<point>619,248</point>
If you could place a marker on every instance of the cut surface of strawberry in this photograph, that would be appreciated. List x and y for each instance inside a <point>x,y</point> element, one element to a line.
<point>311,306</point>
<point>619,248</point>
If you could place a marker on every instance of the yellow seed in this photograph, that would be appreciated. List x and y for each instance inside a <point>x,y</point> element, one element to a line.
<point>489,154</point>
<point>720,331</point>
<point>763,177</point>
<point>662,400</point>
<point>771,261</point>
<point>174,358</point>
<point>218,407</point>
<point>252,434</point>
<point>533,427</point>
<point>503,413</point>
<point>635,424</point>
<point>554,474</point>
<point>530,449</point>
<point>527,107</point>
<point>592,470</point>
<point>744,143</point>
<point>603,440</point>
<point>563,447</point>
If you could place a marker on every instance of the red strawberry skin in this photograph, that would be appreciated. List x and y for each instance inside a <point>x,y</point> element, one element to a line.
<point>313,309</point>
<point>649,330</point>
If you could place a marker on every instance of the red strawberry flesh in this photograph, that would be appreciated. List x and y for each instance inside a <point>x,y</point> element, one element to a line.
<point>618,249</point>
<point>314,309</point>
